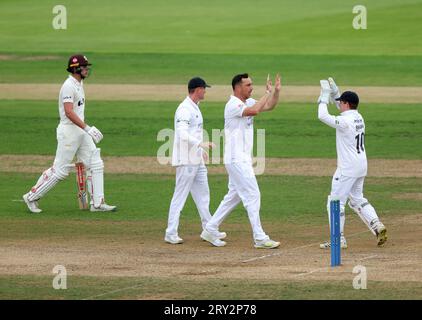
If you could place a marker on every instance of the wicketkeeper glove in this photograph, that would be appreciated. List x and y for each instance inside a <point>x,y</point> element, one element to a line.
<point>96,134</point>
<point>325,92</point>
<point>335,91</point>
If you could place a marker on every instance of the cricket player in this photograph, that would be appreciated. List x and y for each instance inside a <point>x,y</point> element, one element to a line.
<point>347,182</point>
<point>238,132</point>
<point>74,137</point>
<point>189,157</point>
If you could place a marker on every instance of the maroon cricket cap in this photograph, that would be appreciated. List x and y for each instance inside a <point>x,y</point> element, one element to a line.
<point>77,60</point>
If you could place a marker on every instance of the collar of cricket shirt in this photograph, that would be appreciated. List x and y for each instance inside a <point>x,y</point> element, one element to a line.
<point>196,106</point>
<point>348,111</point>
<point>75,81</point>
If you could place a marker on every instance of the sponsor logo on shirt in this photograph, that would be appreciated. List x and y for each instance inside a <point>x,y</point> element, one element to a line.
<point>182,120</point>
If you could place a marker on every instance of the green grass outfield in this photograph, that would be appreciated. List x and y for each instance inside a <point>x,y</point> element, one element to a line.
<point>163,42</point>
<point>167,68</point>
<point>267,27</point>
<point>153,195</point>
<point>130,128</point>
<point>98,288</point>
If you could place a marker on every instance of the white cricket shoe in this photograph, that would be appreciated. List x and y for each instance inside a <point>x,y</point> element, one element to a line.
<point>219,235</point>
<point>266,244</point>
<point>173,239</point>
<point>103,208</point>
<point>212,238</point>
<point>327,244</point>
<point>32,205</point>
<point>381,233</point>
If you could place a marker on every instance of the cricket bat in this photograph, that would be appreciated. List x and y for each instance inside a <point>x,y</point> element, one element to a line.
<point>81,182</point>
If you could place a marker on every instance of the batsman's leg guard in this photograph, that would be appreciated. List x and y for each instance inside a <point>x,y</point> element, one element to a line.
<point>89,186</point>
<point>46,182</point>
<point>97,181</point>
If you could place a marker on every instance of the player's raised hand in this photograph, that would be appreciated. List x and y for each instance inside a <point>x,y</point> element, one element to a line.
<point>207,145</point>
<point>205,156</point>
<point>325,92</point>
<point>335,91</point>
<point>269,85</point>
<point>277,82</point>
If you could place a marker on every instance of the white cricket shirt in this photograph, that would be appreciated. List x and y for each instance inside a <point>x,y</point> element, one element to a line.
<point>350,140</point>
<point>72,91</point>
<point>188,134</point>
<point>238,131</point>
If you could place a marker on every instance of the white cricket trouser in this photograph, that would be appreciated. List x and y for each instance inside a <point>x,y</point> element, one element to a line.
<point>71,141</point>
<point>351,188</point>
<point>242,187</point>
<point>191,179</point>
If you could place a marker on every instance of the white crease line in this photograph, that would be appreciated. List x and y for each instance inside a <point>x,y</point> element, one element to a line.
<point>329,268</point>
<point>366,258</point>
<point>279,253</point>
<point>301,247</point>
<point>17,200</point>
<point>111,292</point>
<point>309,272</point>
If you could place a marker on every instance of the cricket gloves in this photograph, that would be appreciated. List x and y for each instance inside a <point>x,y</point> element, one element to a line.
<point>325,92</point>
<point>335,91</point>
<point>96,134</point>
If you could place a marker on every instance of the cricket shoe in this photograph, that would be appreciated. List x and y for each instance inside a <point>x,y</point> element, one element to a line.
<point>103,208</point>
<point>266,244</point>
<point>173,239</point>
<point>219,235</point>
<point>32,205</point>
<point>381,233</point>
<point>327,244</point>
<point>212,238</point>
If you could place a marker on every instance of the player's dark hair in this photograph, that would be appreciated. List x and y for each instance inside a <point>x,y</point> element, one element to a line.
<point>353,106</point>
<point>191,90</point>
<point>238,79</point>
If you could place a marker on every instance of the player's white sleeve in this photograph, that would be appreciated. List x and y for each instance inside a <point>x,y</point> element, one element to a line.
<point>330,120</point>
<point>67,94</point>
<point>235,110</point>
<point>182,127</point>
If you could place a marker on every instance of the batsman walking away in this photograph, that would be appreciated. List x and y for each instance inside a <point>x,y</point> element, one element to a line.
<point>74,137</point>
<point>348,179</point>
